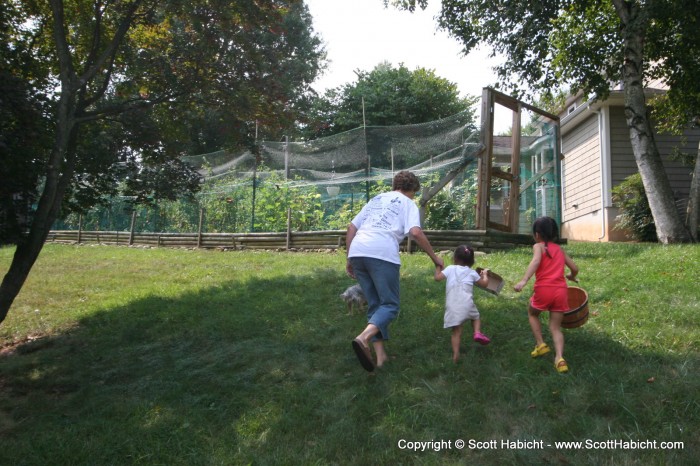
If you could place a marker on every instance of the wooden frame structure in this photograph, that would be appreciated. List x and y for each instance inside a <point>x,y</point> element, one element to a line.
<point>486,170</point>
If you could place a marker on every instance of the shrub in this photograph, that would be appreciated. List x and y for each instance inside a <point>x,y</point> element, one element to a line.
<point>635,215</point>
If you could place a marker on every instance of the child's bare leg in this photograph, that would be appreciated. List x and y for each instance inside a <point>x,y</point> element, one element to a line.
<point>533,316</point>
<point>476,325</point>
<point>456,340</point>
<point>555,319</point>
<point>380,352</point>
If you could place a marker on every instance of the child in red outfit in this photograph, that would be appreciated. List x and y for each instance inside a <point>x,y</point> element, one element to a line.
<point>550,290</point>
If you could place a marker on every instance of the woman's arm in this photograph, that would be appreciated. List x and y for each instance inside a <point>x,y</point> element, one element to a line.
<point>422,240</point>
<point>349,236</point>
<point>439,276</point>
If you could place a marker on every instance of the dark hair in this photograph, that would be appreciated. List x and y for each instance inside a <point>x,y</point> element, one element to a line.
<point>464,255</point>
<point>405,181</point>
<point>548,230</point>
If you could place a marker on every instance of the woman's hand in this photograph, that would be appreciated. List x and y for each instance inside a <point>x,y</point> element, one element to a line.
<point>348,269</point>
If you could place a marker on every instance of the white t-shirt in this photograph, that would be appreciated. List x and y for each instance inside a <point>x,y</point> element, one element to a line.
<point>459,298</point>
<point>382,224</point>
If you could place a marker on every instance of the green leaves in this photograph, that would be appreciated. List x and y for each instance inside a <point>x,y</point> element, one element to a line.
<point>389,96</point>
<point>635,215</point>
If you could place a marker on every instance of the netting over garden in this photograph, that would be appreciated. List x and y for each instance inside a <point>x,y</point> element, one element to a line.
<point>322,184</point>
<point>326,181</point>
<point>354,157</point>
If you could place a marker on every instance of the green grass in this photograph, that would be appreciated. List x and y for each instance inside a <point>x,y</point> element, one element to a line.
<point>114,355</point>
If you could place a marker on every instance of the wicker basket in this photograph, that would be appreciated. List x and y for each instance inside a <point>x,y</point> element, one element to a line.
<point>578,302</point>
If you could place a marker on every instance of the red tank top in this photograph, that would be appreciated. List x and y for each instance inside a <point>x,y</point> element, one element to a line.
<point>551,269</point>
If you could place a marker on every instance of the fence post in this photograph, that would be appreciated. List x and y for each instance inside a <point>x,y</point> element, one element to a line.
<point>286,158</point>
<point>199,229</point>
<point>80,227</point>
<point>289,227</point>
<point>131,230</point>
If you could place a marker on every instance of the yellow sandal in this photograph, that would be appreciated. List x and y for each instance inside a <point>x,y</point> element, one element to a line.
<point>540,350</point>
<point>561,366</point>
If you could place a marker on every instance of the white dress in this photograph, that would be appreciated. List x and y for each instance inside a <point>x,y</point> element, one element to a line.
<point>459,299</point>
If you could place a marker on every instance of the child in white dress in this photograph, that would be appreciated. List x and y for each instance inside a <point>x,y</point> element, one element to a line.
<point>459,299</point>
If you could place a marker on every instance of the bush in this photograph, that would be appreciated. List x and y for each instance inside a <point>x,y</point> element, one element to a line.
<point>635,215</point>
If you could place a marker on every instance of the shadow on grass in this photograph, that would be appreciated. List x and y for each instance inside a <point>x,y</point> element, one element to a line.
<point>262,372</point>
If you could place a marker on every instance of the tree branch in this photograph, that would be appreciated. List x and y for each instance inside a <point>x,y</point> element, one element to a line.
<point>67,72</point>
<point>111,50</point>
<point>126,106</point>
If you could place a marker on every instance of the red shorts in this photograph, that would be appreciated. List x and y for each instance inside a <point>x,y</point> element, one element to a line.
<point>550,298</point>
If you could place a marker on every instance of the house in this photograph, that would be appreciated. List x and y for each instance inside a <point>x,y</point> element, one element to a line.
<point>597,156</point>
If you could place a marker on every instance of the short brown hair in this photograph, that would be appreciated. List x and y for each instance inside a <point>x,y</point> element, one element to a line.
<point>405,181</point>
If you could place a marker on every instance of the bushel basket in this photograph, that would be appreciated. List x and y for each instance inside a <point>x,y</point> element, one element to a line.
<point>578,303</point>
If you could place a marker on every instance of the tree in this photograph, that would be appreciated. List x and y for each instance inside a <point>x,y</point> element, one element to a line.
<point>680,106</point>
<point>23,131</point>
<point>391,96</point>
<point>103,65</point>
<point>589,45</point>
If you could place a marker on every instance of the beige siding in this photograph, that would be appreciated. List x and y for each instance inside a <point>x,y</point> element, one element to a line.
<point>581,170</point>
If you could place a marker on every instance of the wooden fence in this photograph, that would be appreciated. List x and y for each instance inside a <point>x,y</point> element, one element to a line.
<point>481,240</point>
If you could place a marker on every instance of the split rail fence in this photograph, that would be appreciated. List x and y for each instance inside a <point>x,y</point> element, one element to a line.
<point>481,240</point>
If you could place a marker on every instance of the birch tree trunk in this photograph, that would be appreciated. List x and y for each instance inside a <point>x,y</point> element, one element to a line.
<point>669,224</point>
<point>691,220</point>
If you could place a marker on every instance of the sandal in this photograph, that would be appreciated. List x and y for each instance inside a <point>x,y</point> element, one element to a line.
<point>540,350</point>
<point>481,338</point>
<point>363,355</point>
<point>561,366</point>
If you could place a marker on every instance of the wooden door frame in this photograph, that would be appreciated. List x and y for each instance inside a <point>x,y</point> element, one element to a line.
<point>486,172</point>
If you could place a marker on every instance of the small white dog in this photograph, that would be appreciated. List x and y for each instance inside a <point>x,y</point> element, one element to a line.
<point>354,296</point>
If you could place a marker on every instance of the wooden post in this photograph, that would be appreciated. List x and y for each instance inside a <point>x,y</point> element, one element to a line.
<point>131,229</point>
<point>368,168</point>
<point>513,204</point>
<point>199,229</point>
<point>289,228</point>
<point>80,227</point>
<point>484,164</point>
<point>286,158</point>
<point>392,162</point>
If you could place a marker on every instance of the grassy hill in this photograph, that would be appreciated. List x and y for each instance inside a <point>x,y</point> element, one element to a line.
<point>115,355</point>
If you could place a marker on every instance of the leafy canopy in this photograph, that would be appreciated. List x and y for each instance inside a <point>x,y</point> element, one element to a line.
<point>187,77</point>
<point>552,44</point>
<point>391,96</point>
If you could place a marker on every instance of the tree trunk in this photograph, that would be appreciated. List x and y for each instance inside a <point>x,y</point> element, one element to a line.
<point>691,220</point>
<point>59,172</point>
<point>28,248</point>
<point>669,224</point>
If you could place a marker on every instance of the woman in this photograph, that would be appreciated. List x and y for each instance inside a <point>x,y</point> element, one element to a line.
<point>372,241</point>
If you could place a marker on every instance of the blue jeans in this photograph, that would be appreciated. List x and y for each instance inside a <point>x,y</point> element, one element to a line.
<point>379,281</point>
